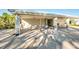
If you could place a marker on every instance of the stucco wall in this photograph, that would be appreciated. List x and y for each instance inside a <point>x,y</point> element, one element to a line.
<point>26,23</point>
<point>61,22</point>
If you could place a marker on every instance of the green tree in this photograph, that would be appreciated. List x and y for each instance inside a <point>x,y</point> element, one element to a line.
<point>7,21</point>
<point>2,23</point>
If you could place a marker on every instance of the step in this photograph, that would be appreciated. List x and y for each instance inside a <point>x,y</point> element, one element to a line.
<point>6,43</point>
<point>76,44</point>
<point>26,44</point>
<point>67,45</point>
<point>19,41</point>
<point>4,36</point>
<point>38,42</point>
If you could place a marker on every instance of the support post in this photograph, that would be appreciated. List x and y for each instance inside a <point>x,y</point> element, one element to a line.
<point>17,25</point>
<point>55,22</point>
<point>40,23</point>
<point>67,21</point>
<point>52,22</point>
<point>46,21</point>
<point>55,29</point>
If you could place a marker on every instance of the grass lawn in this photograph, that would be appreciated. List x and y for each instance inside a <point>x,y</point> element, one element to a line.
<point>73,26</point>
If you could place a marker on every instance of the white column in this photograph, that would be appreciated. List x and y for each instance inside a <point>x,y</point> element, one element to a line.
<point>46,22</point>
<point>55,29</point>
<point>40,22</point>
<point>17,25</point>
<point>52,22</point>
<point>67,21</point>
<point>55,22</point>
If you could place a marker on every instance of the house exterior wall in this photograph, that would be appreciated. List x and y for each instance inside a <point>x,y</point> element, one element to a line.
<point>30,20</point>
<point>61,22</point>
<point>27,23</point>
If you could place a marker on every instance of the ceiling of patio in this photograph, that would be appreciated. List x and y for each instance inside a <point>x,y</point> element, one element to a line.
<point>32,15</point>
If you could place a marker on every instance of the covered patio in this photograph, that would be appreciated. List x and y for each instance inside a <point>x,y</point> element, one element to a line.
<point>39,31</point>
<point>30,21</point>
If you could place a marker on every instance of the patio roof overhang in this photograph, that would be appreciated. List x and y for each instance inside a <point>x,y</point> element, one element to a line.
<point>36,15</point>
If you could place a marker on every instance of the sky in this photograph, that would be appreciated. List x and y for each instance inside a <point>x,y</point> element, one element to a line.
<point>4,11</point>
<point>73,12</point>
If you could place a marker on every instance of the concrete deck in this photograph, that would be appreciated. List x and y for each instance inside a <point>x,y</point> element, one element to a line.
<point>36,39</point>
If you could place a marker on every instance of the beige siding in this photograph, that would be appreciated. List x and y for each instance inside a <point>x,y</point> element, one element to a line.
<point>61,22</point>
<point>26,23</point>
